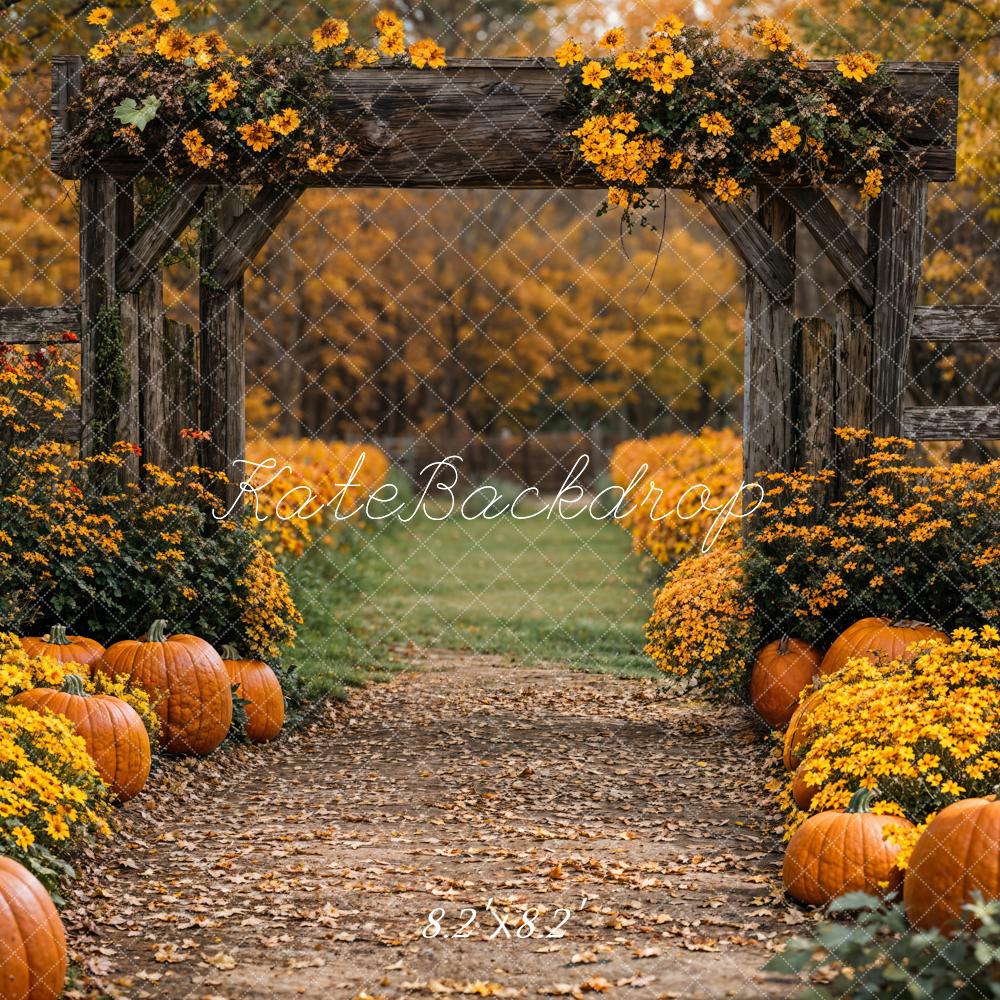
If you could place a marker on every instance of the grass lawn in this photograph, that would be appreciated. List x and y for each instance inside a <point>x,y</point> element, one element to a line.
<point>541,589</point>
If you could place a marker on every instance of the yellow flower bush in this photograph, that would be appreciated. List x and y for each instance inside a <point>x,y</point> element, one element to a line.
<point>21,672</point>
<point>268,615</point>
<point>676,463</point>
<point>925,734</point>
<point>703,628</point>
<point>308,473</point>
<point>50,791</point>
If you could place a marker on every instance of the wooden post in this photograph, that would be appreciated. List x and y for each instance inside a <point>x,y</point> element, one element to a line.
<point>221,351</point>
<point>816,403</point>
<point>179,386</point>
<point>109,348</point>
<point>855,405</point>
<point>897,222</point>
<point>769,355</point>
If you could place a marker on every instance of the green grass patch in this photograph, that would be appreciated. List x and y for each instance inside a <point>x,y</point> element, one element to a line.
<point>544,589</point>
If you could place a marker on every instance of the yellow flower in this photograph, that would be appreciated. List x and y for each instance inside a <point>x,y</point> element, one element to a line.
<point>594,75</point>
<point>716,124</point>
<point>257,135</point>
<point>427,53</point>
<point>330,33</point>
<point>858,66</point>
<point>386,20</point>
<point>100,16</point>
<point>321,163</point>
<point>199,152</point>
<point>285,122</point>
<point>727,188</point>
<point>786,136</point>
<point>165,10</point>
<point>771,34</point>
<point>175,44</point>
<point>612,39</point>
<point>99,51</point>
<point>671,26</point>
<point>872,186</point>
<point>221,91</point>
<point>568,53</point>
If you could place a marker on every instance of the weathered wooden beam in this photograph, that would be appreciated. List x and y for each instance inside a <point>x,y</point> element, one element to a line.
<point>898,222</point>
<point>769,369</point>
<point>501,123</point>
<point>957,324</point>
<point>852,386</point>
<point>179,385</point>
<point>37,325</point>
<point>108,350</point>
<point>758,251</point>
<point>67,430</point>
<point>141,254</point>
<point>819,215</point>
<point>249,231</point>
<point>816,402</point>
<point>221,353</point>
<point>65,90</point>
<point>952,423</point>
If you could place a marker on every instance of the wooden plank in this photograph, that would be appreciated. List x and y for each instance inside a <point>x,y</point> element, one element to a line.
<point>957,324</point>
<point>852,386</point>
<point>769,370</point>
<point>180,388</point>
<point>816,401</point>
<point>141,254</point>
<point>248,233</point>
<point>899,219</point>
<point>819,215</point>
<point>143,312</point>
<point>221,354</point>
<point>67,430</point>
<point>108,349</point>
<point>773,267</point>
<point>40,325</point>
<point>952,423</point>
<point>501,123</point>
<point>65,89</point>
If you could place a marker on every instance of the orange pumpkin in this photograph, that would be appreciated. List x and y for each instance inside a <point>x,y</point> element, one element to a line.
<point>258,685</point>
<point>782,669</point>
<point>836,852</point>
<point>795,733</point>
<point>956,856</point>
<point>802,792</point>
<point>32,940</point>
<point>877,636</point>
<point>65,648</point>
<point>115,736</point>
<point>195,703</point>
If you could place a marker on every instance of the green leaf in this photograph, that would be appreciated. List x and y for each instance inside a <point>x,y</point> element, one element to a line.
<point>130,113</point>
<point>852,901</point>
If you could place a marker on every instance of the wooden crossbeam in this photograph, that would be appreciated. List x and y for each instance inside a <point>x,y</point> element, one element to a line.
<point>826,225</point>
<point>249,231</point>
<point>141,255</point>
<point>957,324</point>
<point>754,246</point>
<point>951,423</point>
<point>37,325</point>
<point>492,123</point>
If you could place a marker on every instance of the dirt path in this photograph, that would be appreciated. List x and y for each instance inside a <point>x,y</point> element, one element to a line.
<point>631,823</point>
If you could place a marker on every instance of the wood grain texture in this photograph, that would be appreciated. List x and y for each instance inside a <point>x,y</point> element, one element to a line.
<point>769,370</point>
<point>816,399</point>
<point>820,216</point>
<point>957,324</point>
<point>144,308</point>
<point>773,267</point>
<point>899,219</point>
<point>142,253</point>
<point>952,423</point>
<point>179,383</point>
<point>852,388</point>
<point>221,349</point>
<point>249,231</point>
<point>501,123</point>
<point>40,325</point>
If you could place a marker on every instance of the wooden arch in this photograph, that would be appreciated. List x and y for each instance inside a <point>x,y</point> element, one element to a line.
<point>501,123</point>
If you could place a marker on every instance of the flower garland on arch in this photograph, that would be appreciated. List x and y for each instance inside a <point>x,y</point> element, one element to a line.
<point>684,110</point>
<point>156,89</point>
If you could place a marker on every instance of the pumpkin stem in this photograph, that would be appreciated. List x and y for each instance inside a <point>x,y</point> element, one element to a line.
<point>861,800</point>
<point>73,684</point>
<point>783,645</point>
<point>57,636</point>
<point>157,631</point>
<point>229,652</point>
<point>908,623</point>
